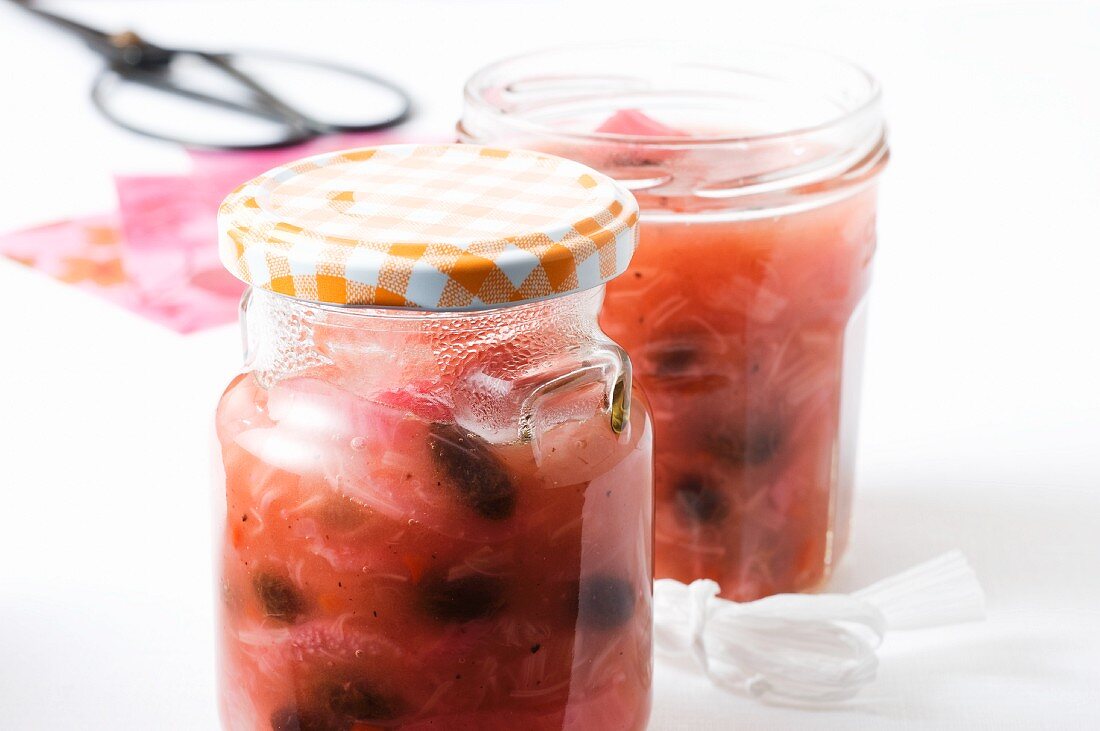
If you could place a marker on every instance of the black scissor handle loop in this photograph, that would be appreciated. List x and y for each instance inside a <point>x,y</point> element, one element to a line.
<point>405,102</point>
<point>107,77</point>
<point>296,125</point>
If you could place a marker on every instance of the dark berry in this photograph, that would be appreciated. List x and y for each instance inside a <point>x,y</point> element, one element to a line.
<point>358,700</point>
<point>478,476</point>
<point>605,602</point>
<point>278,596</point>
<point>698,501</point>
<point>462,600</point>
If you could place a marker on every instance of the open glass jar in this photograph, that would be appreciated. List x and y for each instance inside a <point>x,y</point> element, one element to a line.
<point>755,169</point>
<point>437,482</point>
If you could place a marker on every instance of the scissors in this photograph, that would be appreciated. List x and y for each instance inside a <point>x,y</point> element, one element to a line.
<point>142,86</point>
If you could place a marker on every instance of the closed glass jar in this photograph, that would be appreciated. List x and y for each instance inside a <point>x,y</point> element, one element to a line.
<point>431,518</point>
<point>743,309</point>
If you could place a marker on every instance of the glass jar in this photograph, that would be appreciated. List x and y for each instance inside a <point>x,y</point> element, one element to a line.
<point>432,516</point>
<point>743,309</point>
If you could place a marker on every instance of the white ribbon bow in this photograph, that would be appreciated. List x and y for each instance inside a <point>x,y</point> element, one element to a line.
<point>808,648</point>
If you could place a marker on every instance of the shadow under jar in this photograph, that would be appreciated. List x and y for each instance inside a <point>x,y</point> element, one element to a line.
<point>743,308</point>
<point>433,518</point>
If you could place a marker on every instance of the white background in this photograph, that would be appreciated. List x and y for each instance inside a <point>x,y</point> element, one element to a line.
<point>981,409</point>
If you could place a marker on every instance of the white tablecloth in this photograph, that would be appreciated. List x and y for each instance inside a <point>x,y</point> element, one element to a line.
<point>981,422</point>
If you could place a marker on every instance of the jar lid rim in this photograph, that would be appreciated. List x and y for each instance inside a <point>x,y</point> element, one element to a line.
<point>433,227</point>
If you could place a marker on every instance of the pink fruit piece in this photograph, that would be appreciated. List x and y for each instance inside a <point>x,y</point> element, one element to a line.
<point>626,160</point>
<point>418,399</point>
<point>635,123</point>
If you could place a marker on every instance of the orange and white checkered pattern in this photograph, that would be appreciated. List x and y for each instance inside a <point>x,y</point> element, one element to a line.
<point>436,227</point>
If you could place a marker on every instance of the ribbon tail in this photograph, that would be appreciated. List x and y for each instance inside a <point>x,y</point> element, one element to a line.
<point>938,592</point>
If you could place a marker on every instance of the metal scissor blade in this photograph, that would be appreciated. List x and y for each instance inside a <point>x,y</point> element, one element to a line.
<point>265,100</point>
<point>89,34</point>
<point>118,48</point>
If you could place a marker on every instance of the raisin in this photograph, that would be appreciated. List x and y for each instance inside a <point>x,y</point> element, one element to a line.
<point>462,600</point>
<point>279,597</point>
<point>605,602</point>
<point>480,479</point>
<point>699,501</point>
<point>674,360</point>
<point>358,700</point>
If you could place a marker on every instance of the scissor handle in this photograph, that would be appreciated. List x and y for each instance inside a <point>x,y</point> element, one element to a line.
<point>404,111</point>
<point>292,134</point>
<point>131,58</point>
<point>262,103</point>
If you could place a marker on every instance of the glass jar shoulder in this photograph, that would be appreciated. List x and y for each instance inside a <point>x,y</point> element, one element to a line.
<point>573,412</point>
<point>531,396</point>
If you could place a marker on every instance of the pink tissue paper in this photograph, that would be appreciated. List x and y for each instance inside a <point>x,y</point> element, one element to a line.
<point>157,254</point>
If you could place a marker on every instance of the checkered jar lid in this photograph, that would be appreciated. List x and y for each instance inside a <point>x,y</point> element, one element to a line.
<point>433,227</point>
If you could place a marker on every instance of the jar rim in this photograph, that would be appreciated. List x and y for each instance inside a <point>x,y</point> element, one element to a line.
<point>867,102</point>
